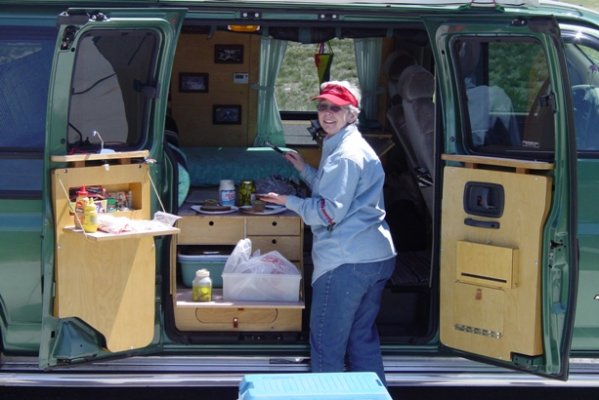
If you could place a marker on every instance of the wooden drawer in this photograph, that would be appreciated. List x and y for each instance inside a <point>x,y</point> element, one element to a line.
<point>289,246</point>
<point>210,230</point>
<point>238,319</point>
<point>273,225</point>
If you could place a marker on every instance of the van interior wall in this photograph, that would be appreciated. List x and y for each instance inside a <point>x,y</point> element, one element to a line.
<point>192,108</point>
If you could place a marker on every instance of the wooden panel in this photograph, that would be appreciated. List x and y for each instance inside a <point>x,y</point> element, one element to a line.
<point>193,111</point>
<point>211,229</point>
<point>519,165</point>
<point>479,319</point>
<point>527,201</point>
<point>481,264</point>
<point>288,246</point>
<point>273,225</point>
<point>110,286</point>
<point>238,319</point>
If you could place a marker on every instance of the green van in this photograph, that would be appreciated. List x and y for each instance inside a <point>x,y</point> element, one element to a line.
<point>482,112</point>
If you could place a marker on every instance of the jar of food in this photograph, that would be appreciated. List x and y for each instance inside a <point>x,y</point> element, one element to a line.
<point>226,192</point>
<point>202,286</point>
<point>247,193</point>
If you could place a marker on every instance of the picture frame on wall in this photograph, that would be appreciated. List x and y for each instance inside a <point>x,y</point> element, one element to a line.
<point>228,54</point>
<point>193,82</point>
<point>226,114</point>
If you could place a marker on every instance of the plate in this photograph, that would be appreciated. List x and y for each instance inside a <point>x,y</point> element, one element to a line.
<point>268,210</point>
<point>199,209</point>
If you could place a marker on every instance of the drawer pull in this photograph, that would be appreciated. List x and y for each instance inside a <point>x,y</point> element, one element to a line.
<point>211,223</point>
<point>274,241</point>
<point>235,322</point>
<point>274,223</point>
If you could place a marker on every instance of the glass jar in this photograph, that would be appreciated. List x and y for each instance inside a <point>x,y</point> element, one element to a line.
<point>247,193</point>
<point>202,286</point>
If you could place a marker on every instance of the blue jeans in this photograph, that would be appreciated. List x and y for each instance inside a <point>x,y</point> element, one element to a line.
<point>345,304</point>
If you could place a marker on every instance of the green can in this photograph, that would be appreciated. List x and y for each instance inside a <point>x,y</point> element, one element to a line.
<point>247,193</point>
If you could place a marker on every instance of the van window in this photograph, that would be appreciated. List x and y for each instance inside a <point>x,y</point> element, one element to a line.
<point>506,96</point>
<point>112,89</point>
<point>298,82</point>
<point>582,55</point>
<point>25,62</point>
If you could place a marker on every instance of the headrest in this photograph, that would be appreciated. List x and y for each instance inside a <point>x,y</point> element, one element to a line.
<point>396,62</point>
<point>415,83</point>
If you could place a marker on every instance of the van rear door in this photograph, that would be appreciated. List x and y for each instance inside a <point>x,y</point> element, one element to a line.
<point>108,89</point>
<point>508,268</point>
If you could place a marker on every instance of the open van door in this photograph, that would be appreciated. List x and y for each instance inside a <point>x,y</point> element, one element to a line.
<point>508,264</point>
<point>108,89</point>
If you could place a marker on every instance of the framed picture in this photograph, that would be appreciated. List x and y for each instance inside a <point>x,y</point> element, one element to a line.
<point>193,82</point>
<point>226,114</point>
<point>228,54</point>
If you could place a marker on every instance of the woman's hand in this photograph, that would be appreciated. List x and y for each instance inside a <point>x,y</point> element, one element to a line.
<point>274,198</point>
<point>296,160</point>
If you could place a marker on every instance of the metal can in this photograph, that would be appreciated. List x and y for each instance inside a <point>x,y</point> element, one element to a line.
<point>247,193</point>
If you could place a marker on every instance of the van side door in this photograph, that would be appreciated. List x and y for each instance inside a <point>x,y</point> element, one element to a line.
<point>105,120</point>
<point>508,267</point>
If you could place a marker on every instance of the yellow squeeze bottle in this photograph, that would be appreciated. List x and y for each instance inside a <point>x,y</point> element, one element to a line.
<point>90,220</point>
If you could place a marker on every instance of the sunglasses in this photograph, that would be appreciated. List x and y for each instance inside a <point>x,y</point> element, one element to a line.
<point>328,107</point>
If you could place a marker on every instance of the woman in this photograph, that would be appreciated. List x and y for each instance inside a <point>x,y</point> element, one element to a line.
<point>352,250</point>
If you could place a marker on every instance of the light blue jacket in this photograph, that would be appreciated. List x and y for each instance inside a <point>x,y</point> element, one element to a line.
<point>346,211</point>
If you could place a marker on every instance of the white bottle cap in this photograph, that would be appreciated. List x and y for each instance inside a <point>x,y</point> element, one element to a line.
<point>202,273</point>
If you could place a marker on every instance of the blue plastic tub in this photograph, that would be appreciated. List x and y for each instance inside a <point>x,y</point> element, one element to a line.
<point>313,386</point>
<point>190,263</point>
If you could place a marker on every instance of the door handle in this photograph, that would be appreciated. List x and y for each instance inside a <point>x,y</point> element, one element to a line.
<point>481,224</point>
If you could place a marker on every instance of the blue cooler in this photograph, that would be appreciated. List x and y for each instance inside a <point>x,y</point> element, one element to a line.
<point>313,386</point>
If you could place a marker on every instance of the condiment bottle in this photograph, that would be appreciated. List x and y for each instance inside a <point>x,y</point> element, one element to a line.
<point>90,220</point>
<point>202,286</point>
<point>80,204</point>
<point>226,192</point>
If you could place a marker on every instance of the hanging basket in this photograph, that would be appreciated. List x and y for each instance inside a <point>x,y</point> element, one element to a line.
<point>323,61</point>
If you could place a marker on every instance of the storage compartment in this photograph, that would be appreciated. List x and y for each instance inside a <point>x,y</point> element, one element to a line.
<point>261,287</point>
<point>190,263</point>
<point>348,385</point>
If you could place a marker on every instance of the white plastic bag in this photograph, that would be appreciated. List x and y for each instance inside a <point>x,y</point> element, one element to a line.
<point>272,262</point>
<point>241,254</point>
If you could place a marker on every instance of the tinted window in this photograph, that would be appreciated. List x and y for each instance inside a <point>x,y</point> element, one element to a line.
<point>25,62</point>
<point>507,100</point>
<point>582,55</point>
<point>113,85</point>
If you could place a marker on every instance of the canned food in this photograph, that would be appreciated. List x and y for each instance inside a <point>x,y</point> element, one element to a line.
<point>247,193</point>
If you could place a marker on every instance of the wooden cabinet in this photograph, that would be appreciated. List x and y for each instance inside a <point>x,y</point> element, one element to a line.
<point>106,280</point>
<point>281,232</point>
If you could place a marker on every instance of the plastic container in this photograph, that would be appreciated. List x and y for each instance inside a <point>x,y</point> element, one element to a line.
<point>261,287</point>
<point>80,204</point>
<point>226,192</point>
<point>90,220</point>
<point>313,386</point>
<point>202,286</point>
<point>190,263</point>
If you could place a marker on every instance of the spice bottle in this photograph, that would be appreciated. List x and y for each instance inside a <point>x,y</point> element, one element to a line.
<point>226,192</point>
<point>202,286</point>
<point>80,204</point>
<point>90,220</point>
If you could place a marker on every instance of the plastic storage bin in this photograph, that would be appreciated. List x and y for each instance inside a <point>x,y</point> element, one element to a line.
<point>261,287</point>
<point>317,386</point>
<point>190,263</point>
